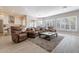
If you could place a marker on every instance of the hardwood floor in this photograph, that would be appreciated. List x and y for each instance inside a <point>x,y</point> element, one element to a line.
<point>7,46</point>
<point>70,44</point>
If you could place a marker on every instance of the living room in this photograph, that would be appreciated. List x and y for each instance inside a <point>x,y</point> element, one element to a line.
<point>39,29</point>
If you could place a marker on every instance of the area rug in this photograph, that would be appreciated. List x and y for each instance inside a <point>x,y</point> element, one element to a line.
<point>47,45</point>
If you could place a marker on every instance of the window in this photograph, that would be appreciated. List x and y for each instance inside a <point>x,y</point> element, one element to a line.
<point>67,23</point>
<point>64,23</point>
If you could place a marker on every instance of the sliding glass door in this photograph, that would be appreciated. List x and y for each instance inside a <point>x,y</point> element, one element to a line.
<point>67,23</point>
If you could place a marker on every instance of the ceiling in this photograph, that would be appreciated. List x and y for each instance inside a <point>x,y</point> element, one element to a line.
<point>36,11</point>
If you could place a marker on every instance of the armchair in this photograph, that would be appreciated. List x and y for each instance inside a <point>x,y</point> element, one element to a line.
<point>17,34</point>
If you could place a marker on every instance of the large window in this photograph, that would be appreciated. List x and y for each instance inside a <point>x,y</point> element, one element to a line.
<point>64,23</point>
<point>35,23</point>
<point>67,23</point>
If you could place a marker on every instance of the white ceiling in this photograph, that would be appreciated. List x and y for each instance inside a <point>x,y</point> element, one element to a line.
<point>36,11</point>
<point>41,11</point>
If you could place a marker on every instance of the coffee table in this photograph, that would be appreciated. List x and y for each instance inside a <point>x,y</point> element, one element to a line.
<point>48,35</point>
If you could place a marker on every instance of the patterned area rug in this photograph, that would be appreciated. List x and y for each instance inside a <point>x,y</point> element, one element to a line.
<point>47,45</point>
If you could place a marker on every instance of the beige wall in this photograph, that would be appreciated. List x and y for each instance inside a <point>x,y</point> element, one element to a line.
<point>20,20</point>
<point>17,21</point>
<point>5,19</point>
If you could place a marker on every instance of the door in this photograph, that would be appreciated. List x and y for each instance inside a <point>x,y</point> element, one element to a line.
<point>1,26</point>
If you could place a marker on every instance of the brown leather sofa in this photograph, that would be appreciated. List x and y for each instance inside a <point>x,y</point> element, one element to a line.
<point>30,33</point>
<point>51,29</point>
<point>17,34</point>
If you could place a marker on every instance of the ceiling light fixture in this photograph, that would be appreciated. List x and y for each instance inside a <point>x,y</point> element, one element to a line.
<point>64,6</point>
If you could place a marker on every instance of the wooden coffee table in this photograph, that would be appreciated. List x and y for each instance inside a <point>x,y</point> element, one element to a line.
<point>48,35</point>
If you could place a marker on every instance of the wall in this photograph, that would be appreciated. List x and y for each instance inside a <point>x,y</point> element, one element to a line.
<point>5,19</point>
<point>78,23</point>
<point>18,21</point>
<point>24,22</point>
